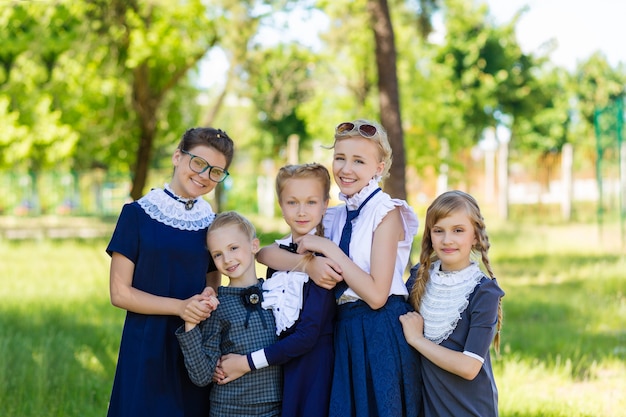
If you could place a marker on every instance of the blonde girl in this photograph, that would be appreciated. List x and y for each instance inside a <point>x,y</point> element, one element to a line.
<point>304,312</point>
<point>368,243</point>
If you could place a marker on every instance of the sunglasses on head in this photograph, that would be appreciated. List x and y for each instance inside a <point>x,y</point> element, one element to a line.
<point>365,130</point>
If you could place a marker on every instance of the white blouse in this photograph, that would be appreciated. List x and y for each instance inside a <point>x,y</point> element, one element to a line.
<point>363,232</point>
<point>446,297</point>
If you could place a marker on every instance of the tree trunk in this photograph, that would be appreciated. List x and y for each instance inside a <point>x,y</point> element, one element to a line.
<point>503,179</point>
<point>388,94</point>
<point>567,158</point>
<point>145,103</point>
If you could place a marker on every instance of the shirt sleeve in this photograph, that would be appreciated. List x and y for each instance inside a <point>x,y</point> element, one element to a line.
<point>410,282</point>
<point>317,310</point>
<point>201,349</point>
<point>484,316</point>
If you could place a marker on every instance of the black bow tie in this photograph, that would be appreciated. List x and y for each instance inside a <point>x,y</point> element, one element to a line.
<point>292,247</point>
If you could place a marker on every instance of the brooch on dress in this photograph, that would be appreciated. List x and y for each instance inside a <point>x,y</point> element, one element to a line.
<point>251,298</point>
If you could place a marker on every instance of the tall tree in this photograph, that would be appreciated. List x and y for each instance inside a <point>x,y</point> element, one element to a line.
<point>352,66</point>
<point>389,96</point>
<point>159,44</point>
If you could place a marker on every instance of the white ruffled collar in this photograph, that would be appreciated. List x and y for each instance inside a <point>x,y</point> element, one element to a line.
<point>283,294</point>
<point>355,201</point>
<point>447,296</point>
<point>171,211</point>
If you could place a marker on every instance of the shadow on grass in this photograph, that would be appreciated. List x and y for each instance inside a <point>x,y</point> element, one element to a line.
<point>59,360</point>
<point>563,308</point>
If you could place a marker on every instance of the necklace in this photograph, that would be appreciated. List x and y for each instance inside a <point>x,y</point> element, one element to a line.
<point>188,203</point>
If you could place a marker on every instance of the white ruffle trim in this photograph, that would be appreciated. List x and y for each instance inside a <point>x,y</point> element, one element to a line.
<point>164,209</point>
<point>355,201</point>
<point>282,294</point>
<point>383,207</point>
<point>447,296</point>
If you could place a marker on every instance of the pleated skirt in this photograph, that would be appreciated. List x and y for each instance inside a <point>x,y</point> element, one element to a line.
<point>376,373</point>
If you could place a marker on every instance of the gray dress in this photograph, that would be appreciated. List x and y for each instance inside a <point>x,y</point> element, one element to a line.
<point>446,394</point>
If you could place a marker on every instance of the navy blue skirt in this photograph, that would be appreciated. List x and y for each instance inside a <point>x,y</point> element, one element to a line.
<point>377,373</point>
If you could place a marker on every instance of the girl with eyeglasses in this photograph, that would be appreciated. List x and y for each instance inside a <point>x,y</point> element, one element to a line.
<point>369,238</point>
<point>162,276</point>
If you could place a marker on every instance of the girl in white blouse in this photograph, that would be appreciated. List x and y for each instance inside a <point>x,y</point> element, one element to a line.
<point>367,248</point>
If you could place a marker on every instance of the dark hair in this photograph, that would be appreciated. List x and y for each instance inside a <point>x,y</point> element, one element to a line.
<point>208,136</point>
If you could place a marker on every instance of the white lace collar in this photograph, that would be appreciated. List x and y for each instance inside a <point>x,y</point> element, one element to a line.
<point>447,296</point>
<point>167,210</point>
<point>355,201</point>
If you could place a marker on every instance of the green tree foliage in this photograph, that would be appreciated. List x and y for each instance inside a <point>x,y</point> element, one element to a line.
<point>281,80</point>
<point>598,86</point>
<point>157,43</point>
<point>37,36</point>
<point>113,83</point>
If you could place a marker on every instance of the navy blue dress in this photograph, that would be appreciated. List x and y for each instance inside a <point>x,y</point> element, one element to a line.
<point>150,378</point>
<point>306,352</point>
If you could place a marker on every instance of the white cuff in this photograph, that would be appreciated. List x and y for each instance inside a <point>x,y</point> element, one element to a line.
<point>475,356</point>
<point>259,359</point>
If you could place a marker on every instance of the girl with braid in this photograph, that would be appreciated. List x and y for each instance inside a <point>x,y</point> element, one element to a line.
<point>303,311</point>
<point>376,373</point>
<point>460,311</point>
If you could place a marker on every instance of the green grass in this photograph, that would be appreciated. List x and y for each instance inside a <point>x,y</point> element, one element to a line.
<point>563,340</point>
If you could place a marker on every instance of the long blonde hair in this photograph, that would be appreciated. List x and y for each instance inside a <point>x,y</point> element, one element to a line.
<point>442,207</point>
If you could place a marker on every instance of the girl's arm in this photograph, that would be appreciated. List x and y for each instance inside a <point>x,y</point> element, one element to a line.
<point>372,287</point>
<point>452,361</point>
<point>323,271</point>
<point>124,295</point>
<point>318,309</point>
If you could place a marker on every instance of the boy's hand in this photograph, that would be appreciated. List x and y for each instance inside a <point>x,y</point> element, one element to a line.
<point>218,373</point>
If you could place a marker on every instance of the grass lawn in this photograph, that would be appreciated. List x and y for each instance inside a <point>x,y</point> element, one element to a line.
<point>563,341</point>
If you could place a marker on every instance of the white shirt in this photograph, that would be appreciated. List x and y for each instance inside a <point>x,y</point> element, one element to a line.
<point>363,231</point>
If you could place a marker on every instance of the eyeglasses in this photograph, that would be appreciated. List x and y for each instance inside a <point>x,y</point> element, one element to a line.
<point>200,165</point>
<point>365,130</point>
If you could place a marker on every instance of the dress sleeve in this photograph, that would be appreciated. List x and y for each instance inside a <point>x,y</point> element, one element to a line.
<point>201,349</point>
<point>317,310</point>
<point>484,315</point>
<point>125,239</point>
<point>410,282</point>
